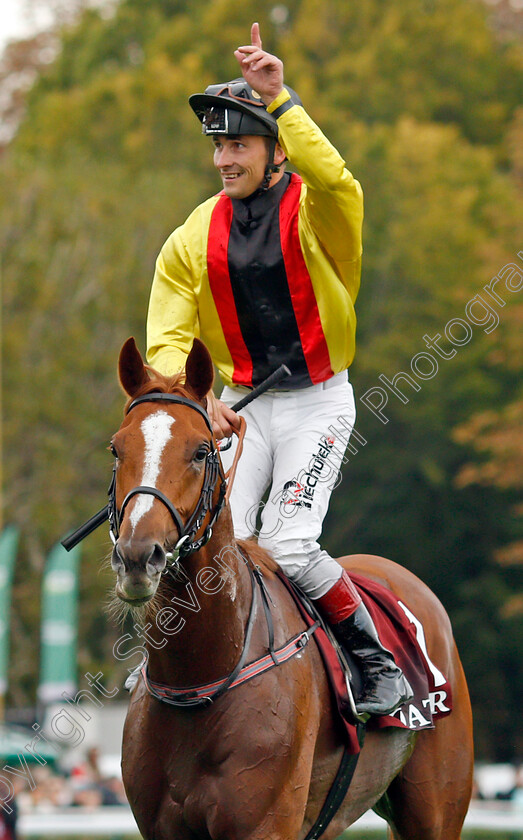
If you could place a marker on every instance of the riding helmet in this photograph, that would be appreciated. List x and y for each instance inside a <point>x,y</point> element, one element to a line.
<point>235,108</point>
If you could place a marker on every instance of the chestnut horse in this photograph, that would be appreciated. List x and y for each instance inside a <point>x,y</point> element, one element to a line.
<point>258,761</point>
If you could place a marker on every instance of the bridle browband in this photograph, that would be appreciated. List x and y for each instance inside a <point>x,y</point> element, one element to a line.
<point>186,544</point>
<point>160,396</point>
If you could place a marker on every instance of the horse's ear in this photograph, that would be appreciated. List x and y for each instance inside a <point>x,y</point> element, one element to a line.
<point>131,369</point>
<point>199,370</point>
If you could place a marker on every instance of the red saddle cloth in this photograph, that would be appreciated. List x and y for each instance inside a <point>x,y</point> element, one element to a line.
<point>402,633</point>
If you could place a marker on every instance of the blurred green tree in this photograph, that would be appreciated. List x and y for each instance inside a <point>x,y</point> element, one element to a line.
<point>421,98</point>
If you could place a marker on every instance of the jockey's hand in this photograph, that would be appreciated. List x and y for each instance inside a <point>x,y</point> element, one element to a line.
<point>263,71</point>
<point>224,420</point>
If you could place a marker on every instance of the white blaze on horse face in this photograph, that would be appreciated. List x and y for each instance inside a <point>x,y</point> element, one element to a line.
<point>156,430</point>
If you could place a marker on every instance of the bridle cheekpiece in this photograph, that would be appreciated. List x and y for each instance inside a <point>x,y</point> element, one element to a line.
<point>187,542</point>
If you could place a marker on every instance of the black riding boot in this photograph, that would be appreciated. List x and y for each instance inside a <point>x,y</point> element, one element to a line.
<point>385,688</point>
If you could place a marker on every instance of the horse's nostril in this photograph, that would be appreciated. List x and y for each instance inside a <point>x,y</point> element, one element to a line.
<point>117,562</point>
<point>157,560</point>
<point>138,557</point>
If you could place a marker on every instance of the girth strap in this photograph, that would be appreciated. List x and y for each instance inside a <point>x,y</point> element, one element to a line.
<point>339,788</point>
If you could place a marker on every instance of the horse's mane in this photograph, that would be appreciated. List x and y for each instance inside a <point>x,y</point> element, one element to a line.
<point>259,556</point>
<point>158,383</point>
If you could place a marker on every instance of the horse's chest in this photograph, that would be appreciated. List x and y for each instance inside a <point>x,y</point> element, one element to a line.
<point>181,762</point>
<point>206,762</point>
<point>194,754</point>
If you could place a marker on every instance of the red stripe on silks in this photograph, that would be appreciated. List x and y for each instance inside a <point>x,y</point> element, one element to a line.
<point>304,302</point>
<point>221,289</point>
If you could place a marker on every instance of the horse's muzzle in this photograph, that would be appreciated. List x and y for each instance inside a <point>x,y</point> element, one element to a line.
<point>138,566</point>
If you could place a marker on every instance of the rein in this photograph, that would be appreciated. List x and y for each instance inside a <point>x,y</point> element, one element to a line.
<point>186,544</point>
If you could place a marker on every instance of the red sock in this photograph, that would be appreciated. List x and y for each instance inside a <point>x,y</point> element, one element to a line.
<point>340,601</point>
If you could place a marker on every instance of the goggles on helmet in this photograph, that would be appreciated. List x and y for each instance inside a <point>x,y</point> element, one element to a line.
<point>240,91</point>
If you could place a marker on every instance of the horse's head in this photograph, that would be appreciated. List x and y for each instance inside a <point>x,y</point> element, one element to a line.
<point>167,470</point>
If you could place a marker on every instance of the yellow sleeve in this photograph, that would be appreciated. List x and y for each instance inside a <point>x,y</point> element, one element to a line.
<point>172,320</point>
<point>334,198</point>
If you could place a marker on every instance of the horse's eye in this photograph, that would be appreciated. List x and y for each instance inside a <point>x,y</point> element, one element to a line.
<point>201,453</point>
<point>112,450</point>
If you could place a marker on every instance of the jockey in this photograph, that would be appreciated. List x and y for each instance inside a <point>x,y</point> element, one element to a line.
<point>267,272</point>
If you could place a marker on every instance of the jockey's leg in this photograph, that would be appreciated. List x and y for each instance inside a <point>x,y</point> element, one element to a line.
<point>384,685</point>
<point>311,431</point>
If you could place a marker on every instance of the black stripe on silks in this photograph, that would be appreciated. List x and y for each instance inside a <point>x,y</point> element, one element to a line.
<point>260,288</point>
<point>282,108</point>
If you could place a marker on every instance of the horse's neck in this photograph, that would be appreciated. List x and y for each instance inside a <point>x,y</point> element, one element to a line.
<point>198,631</point>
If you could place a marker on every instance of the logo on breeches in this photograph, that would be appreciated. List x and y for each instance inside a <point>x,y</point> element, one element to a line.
<point>299,492</point>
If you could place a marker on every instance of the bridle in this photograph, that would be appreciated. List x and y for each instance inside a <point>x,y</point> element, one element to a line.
<point>187,542</point>
<point>110,510</point>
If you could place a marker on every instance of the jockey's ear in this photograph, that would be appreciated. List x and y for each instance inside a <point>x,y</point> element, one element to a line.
<point>279,155</point>
<point>131,369</point>
<point>199,370</point>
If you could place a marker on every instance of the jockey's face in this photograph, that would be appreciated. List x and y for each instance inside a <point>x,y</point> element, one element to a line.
<point>241,162</point>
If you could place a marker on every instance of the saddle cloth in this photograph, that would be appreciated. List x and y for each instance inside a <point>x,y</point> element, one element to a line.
<point>402,633</point>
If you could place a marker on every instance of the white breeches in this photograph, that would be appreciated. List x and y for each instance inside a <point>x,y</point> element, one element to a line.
<point>294,443</point>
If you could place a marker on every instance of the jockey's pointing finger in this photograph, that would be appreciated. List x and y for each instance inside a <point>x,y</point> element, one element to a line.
<point>255,35</point>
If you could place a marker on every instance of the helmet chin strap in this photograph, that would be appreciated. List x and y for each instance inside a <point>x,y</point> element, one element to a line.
<point>271,166</point>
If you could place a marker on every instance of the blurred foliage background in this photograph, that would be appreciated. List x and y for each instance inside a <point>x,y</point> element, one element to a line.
<point>101,158</point>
